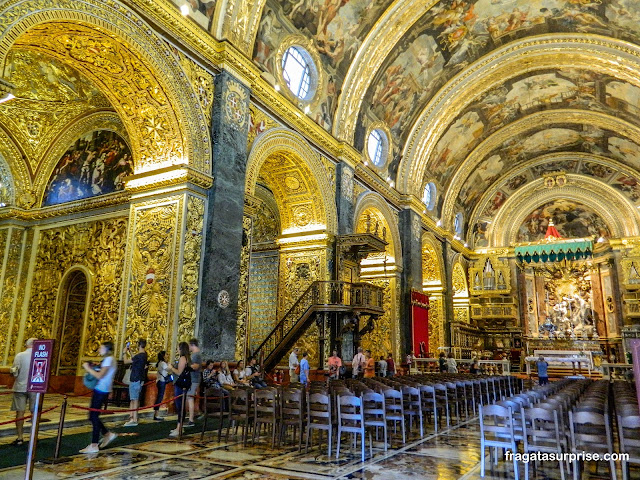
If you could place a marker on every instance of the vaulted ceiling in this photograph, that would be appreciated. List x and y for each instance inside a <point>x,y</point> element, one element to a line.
<point>483,98</point>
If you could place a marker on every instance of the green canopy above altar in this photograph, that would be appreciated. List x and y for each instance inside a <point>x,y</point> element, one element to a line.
<point>555,251</point>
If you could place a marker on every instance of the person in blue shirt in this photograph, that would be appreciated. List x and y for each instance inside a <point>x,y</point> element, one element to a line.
<point>304,369</point>
<point>543,376</point>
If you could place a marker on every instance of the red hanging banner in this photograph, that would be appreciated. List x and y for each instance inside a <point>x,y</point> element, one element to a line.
<point>420,323</point>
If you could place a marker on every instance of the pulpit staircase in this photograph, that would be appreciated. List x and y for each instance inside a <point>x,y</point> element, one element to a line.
<point>320,297</point>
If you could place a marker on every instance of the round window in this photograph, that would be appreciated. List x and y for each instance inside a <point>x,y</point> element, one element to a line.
<point>377,147</point>
<point>299,72</point>
<point>429,196</point>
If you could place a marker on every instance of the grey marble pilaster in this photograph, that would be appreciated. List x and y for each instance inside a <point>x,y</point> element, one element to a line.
<point>410,225</point>
<point>448,254</point>
<point>221,268</point>
<point>344,198</point>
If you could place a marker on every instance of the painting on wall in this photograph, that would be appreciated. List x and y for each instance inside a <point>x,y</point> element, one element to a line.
<point>573,220</point>
<point>97,163</point>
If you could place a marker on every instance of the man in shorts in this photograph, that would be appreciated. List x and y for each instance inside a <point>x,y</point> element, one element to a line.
<point>20,370</point>
<point>196,375</point>
<point>138,364</point>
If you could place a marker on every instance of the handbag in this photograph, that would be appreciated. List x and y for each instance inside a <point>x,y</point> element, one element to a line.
<point>89,380</point>
<point>126,379</point>
<point>184,380</point>
<point>297,370</point>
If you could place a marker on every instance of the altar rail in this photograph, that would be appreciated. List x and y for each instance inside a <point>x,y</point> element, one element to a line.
<point>489,367</point>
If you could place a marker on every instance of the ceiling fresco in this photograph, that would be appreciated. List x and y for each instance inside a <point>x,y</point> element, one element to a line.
<point>573,220</point>
<point>619,179</point>
<point>336,30</point>
<point>454,33</point>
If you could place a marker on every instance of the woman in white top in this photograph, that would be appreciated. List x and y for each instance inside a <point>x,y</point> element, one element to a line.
<point>225,379</point>
<point>239,373</point>
<point>452,366</point>
<point>100,394</point>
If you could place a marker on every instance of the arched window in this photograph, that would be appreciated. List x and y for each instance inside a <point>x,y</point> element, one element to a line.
<point>458,224</point>
<point>298,71</point>
<point>378,147</point>
<point>429,196</point>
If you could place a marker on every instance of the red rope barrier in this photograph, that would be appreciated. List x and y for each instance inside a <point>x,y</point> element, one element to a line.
<point>6,393</point>
<point>110,412</point>
<point>29,416</point>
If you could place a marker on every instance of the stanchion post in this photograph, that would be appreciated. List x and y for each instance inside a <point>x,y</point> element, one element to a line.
<point>182,408</point>
<point>63,412</point>
<point>33,441</point>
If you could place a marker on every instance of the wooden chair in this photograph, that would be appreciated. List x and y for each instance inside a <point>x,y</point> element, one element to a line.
<point>590,432</point>
<point>240,412</point>
<point>319,418</point>
<point>350,420</point>
<point>413,406</point>
<point>629,437</point>
<point>265,412</point>
<point>375,416</point>
<point>497,431</point>
<point>394,407</point>
<point>215,405</point>
<point>292,413</point>
<point>541,433</point>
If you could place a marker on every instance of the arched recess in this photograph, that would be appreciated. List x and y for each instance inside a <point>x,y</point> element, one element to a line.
<point>382,269</point>
<point>433,285</point>
<point>619,215</point>
<point>284,164</point>
<point>460,293</point>
<point>72,312</point>
<point>599,54</point>
<point>135,69</point>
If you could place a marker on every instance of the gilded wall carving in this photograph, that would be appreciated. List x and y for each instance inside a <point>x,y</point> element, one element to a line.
<point>153,244</point>
<point>380,339</point>
<point>20,295</point>
<point>431,273</point>
<point>461,314</point>
<point>13,244</point>
<point>243,288</point>
<point>191,254</point>
<point>263,294</point>
<point>459,281</point>
<point>100,247</point>
<point>436,323</point>
<point>201,82</point>
<point>259,122</point>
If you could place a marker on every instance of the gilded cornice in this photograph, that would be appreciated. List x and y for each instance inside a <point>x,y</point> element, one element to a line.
<point>621,216</point>
<point>530,122</point>
<point>167,177</point>
<point>593,52</point>
<point>378,44</point>
<point>476,214</point>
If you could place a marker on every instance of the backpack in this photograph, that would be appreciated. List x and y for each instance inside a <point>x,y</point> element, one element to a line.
<point>89,380</point>
<point>184,380</point>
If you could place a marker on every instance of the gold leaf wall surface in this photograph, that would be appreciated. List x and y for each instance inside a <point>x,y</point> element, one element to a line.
<point>153,243</point>
<point>263,295</point>
<point>20,295</point>
<point>379,340</point>
<point>191,255</point>
<point>100,247</point>
<point>436,323</point>
<point>242,326</point>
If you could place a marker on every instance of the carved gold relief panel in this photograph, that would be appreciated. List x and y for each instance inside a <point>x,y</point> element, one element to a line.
<point>191,259</point>
<point>153,241</point>
<point>242,325</point>
<point>100,247</point>
<point>436,323</point>
<point>11,243</point>
<point>380,339</point>
<point>16,323</point>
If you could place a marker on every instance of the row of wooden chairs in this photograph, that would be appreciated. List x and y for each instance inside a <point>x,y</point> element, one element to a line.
<point>628,420</point>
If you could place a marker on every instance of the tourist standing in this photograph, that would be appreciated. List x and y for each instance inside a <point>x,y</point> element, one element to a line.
<point>369,365</point>
<point>138,364</point>
<point>293,365</point>
<point>335,364</point>
<point>304,369</point>
<point>452,366</point>
<point>391,366</point>
<point>101,392</point>
<point>196,373</point>
<point>473,369</point>
<point>20,370</point>
<point>543,375</point>
<point>410,360</point>
<point>442,362</point>
<point>183,362</point>
<point>382,367</point>
<point>161,383</point>
<point>357,364</point>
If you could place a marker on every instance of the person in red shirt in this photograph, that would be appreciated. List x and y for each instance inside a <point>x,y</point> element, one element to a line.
<point>335,362</point>
<point>391,366</point>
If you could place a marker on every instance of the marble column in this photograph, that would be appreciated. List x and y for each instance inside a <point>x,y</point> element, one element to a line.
<point>344,199</point>
<point>221,270</point>
<point>447,261</point>
<point>410,226</point>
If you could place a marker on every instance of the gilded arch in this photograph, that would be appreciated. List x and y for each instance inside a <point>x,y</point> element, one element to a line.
<point>17,168</point>
<point>374,201</point>
<point>288,144</point>
<point>134,67</point>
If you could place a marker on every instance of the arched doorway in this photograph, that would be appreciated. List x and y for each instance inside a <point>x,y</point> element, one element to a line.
<point>70,323</point>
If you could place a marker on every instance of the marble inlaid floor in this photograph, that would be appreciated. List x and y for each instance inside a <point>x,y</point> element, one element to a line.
<point>453,454</point>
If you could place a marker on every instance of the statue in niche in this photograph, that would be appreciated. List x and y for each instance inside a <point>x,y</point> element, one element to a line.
<point>489,276</point>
